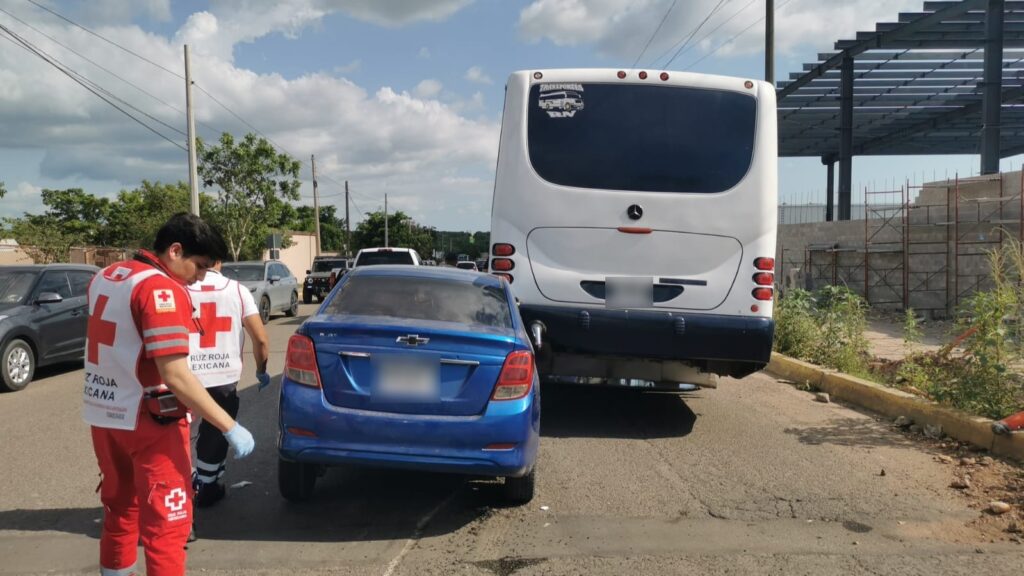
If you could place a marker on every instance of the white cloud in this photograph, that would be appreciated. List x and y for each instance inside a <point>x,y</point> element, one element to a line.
<point>380,140</point>
<point>476,74</point>
<point>21,198</point>
<point>424,53</point>
<point>621,28</point>
<point>428,88</point>
<point>121,11</point>
<point>349,68</point>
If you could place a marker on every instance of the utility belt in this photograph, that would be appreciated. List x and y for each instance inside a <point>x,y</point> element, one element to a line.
<point>164,407</point>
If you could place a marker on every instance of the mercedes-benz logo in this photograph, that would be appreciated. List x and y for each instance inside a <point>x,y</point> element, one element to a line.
<point>635,211</point>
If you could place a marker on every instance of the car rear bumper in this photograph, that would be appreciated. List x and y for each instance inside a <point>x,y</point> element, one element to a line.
<point>654,335</point>
<point>313,431</point>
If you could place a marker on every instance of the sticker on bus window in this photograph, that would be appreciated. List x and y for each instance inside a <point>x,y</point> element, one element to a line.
<point>561,100</point>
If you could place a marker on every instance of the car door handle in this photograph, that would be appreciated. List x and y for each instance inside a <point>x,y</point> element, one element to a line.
<point>76,312</point>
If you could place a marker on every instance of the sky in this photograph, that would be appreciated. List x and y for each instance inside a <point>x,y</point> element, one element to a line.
<point>397,97</point>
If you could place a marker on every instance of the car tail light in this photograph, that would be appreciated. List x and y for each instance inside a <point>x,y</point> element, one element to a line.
<point>300,361</point>
<point>502,264</point>
<point>503,250</point>
<point>764,263</point>
<point>516,376</point>
<point>762,293</point>
<point>507,277</point>
<point>764,278</point>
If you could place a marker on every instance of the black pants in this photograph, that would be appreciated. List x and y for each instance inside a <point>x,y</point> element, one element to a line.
<point>211,447</point>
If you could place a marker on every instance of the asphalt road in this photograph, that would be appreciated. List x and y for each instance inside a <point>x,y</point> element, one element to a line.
<point>751,478</point>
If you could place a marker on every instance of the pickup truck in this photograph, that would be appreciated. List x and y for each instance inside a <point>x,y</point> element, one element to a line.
<point>318,280</point>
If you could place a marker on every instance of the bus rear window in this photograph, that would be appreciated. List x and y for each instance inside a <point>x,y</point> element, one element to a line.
<point>640,138</point>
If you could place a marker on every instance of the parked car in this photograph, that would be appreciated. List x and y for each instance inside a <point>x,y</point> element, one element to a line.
<point>273,286</point>
<point>467,265</point>
<point>422,368</point>
<point>44,313</point>
<point>318,279</point>
<point>374,256</point>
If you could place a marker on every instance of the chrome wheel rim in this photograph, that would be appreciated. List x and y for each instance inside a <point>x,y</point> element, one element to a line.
<point>265,309</point>
<point>18,365</point>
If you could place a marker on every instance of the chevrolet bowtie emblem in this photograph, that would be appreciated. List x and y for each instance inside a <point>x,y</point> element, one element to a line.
<point>412,340</point>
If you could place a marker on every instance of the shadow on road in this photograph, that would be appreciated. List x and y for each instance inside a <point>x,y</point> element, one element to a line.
<point>71,520</point>
<point>851,432</point>
<point>44,372</point>
<point>596,412</point>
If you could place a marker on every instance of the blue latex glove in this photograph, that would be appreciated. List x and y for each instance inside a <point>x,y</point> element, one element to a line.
<point>264,380</point>
<point>241,440</point>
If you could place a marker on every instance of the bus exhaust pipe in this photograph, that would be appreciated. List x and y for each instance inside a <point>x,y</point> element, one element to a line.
<point>537,331</point>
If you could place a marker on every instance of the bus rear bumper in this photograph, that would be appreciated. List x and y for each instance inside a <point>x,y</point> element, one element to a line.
<point>641,337</point>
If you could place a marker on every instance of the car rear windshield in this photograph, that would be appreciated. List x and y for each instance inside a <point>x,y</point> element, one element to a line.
<point>641,138</point>
<point>372,258</point>
<point>243,273</point>
<point>478,303</point>
<point>327,265</point>
<point>14,286</point>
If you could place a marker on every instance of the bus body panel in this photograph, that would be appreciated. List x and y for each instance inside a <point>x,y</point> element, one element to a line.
<point>570,239</point>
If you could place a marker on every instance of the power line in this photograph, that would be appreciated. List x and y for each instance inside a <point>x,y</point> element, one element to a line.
<point>96,89</point>
<point>111,42</point>
<point>695,30</point>
<point>656,30</point>
<point>735,36</point>
<point>704,37</point>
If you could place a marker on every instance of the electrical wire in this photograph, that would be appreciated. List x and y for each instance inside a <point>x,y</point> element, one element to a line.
<point>695,30</point>
<point>96,89</point>
<point>656,30</point>
<point>704,37</point>
<point>735,36</point>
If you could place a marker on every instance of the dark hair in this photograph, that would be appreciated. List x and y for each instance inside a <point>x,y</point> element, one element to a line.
<point>196,236</point>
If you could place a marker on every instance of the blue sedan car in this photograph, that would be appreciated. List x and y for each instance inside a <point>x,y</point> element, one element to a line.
<point>422,368</point>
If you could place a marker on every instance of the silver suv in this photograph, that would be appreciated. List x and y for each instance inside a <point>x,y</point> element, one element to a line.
<point>272,284</point>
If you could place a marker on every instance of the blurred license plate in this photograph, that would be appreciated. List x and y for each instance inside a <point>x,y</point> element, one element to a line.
<point>629,292</point>
<point>406,378</point>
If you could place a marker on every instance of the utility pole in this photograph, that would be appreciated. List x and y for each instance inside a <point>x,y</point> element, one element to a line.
<point>385,220</point>
<point>769,42</point>
<point>316,203</point>
<point>193,177</point>
<point>348,228</point>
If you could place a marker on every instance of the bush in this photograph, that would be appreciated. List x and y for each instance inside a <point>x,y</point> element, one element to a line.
<point>826,328</point>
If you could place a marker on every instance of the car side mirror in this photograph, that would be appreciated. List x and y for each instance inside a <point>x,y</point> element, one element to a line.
<point>309,271</point>
<point>275,278</point>
<point>49,298</point>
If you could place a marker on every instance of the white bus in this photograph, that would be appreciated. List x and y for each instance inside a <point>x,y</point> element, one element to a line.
<point>638,231</point>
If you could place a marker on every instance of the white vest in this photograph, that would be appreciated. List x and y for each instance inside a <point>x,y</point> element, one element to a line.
<point>215,356</point>
<point>112,390</point>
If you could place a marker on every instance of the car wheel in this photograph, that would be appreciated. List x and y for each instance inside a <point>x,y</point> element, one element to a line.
<point>265,309</point>
<point>520,490</point>
<point>307,297</point>
<point>293,308</point>
<point>17,365</point>
<point>296,480</point>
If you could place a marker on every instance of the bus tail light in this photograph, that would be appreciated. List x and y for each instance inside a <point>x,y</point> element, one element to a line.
<point>643,75</point>
<point>664,76</point>
<point>502,264</point>
<point>762,293</point>
<point>621,74</point>
<point>300,361</point>
<point>503,250</point>
<point>516,376</point>
<point>507,277</point>
<point>764,263</point>
<point>764,278</point>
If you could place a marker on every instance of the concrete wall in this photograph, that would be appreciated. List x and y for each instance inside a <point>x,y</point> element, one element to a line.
<point>933,254</point>
<point>12,254</point>
<point>299,256</point>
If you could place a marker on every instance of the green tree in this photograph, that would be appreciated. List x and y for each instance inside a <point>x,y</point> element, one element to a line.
<point>2,190</point>
<point>332,228</point>
<point>80,215</point>
<point>136,215</point>
<point>42,237</point>
<point>253,184</point>
<point>403,232</point>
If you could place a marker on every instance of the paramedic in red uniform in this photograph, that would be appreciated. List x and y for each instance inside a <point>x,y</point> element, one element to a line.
<point>227,311</point>
<point>138,390</point>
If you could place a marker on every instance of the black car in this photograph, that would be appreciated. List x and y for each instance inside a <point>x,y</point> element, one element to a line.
<point>43,317</point>
<point>318,280</point>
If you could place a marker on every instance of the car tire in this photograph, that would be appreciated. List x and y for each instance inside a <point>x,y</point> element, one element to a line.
<point>265,309</point>
<point>293,308</point>
<point>520,490</point>
<point>296,480</point>
<point>307,298</point>
<point>17,365</point>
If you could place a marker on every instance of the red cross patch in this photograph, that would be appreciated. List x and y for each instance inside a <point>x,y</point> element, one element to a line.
<point>164,300</point>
